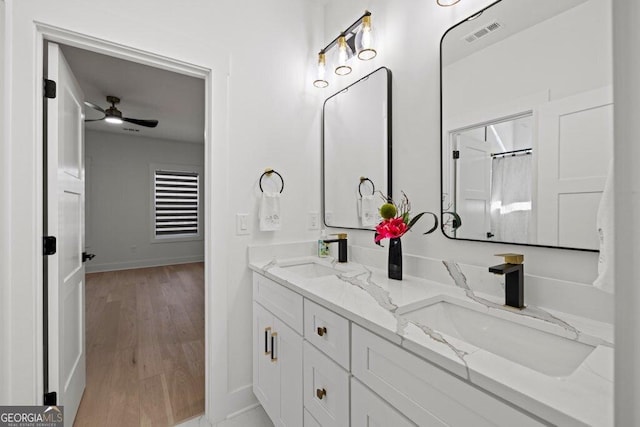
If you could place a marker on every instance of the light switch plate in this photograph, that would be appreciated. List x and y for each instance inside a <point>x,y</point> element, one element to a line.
<point>313,221</point>
<point>242,224</point>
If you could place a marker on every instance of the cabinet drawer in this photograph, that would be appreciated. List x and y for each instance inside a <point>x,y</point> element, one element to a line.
<point>425,394</point>
<point>368,409</point>
<point>327,331</point>
<point>309,421</point>
<point>284,303</point>
<point>326,389</point>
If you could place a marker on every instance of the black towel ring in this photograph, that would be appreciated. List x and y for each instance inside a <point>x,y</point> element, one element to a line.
<point>268,172</point>
<point>362,180</point>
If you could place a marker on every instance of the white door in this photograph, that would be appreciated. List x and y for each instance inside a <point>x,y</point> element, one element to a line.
<point>65,221</point>
<point>575,140</point>
<point>289,364</point>
<point>473,187</point>
<point>266,384</point>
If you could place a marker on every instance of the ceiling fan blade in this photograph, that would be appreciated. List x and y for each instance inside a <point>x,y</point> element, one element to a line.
<point>93,120</point>
<point>139,122</point>
<point>94,106</point>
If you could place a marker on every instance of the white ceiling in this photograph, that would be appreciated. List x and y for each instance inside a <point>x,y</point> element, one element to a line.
<point>175,100</point>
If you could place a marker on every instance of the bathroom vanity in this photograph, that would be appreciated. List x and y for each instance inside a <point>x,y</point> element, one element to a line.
<point>341,345</point>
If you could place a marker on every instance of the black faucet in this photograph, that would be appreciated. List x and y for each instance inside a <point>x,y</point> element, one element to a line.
<point>513,270</point>
<point>342,245</point>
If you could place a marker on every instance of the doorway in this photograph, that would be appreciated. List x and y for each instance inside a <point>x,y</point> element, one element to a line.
<point>144,316</point>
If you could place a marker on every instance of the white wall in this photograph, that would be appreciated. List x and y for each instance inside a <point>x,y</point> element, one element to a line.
<point>5,213</point>
<point>118,200</point>
<point>264,113</point>
<point>626,38</point>
<point>410,36</point>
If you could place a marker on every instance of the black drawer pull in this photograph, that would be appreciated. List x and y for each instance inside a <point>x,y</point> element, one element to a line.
<point>320,393</point>
<point>266,340</point>
<point>322,330</point>
<point>274,358</point>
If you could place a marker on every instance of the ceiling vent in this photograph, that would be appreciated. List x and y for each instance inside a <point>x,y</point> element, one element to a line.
<point>483,31</point>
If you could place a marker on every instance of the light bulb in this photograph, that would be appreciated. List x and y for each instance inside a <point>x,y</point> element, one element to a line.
<point>113,120</point>
<point>344,53</point>
<point>321,81</point>
<point>365,40</point>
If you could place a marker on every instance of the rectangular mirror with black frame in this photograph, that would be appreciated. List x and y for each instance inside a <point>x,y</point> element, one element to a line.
<point>527,122</point>
<point>356,152</point>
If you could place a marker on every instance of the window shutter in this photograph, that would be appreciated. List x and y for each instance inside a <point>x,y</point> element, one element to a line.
<point>176,203</point>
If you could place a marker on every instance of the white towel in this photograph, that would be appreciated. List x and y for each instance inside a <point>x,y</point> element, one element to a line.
<point>269,212</point>
<point>369,211</point>
<point>604,222</point>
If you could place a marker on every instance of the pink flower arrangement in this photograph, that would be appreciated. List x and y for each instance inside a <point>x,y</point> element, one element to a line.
<point>391,228</point>
<point>397,219</point>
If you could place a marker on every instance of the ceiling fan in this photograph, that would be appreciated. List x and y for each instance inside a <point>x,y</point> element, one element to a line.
<point>113,115</point>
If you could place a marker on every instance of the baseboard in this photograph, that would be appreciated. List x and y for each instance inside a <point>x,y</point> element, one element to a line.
<point>242,411</point>
<point>235,403</point>
<point>128,265</point>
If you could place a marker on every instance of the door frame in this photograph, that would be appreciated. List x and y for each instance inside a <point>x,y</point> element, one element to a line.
<point>214,386</point>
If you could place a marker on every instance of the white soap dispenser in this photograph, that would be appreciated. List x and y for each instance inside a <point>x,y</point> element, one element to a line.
<point>323,248</point>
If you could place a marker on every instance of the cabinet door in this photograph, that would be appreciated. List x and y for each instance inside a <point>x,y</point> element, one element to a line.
<point>369,410</point>
<point>288,352</point>
<point>266,382</point>
<point>326,389</point>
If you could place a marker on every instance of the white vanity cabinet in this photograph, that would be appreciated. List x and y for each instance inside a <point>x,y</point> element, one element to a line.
<point>341,374</point>
<point>368,409</point>
<point>424,393</point>
<point>277,352</point>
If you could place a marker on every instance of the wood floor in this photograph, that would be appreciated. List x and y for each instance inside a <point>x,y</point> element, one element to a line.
<point>145,347</point>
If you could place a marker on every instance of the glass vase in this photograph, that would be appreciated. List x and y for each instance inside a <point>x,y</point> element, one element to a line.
<point>395,258</point>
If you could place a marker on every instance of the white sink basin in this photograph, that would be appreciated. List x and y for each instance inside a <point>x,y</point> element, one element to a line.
<point>311,270</point>
<point>542,351</point>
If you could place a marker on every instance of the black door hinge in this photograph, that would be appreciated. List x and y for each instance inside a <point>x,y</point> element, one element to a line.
<point>456,154</point>
<point>49,88</point>
<point>48,245</point>
<point>50,399</point>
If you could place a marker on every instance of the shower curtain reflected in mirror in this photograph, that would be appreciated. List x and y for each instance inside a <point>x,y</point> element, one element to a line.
<point>511,198</point>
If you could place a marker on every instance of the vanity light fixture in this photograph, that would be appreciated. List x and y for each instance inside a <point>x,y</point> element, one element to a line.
<point>344,53</point>
<point>359,37</point>
<point>321,80</point>
<point>446,3</point>
<point>365,40</point>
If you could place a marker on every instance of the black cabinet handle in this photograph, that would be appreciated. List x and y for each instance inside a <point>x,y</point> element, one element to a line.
<point>266,340</point>
<point>320,393</point>
<point>322,330</point>
<point>274,358</point>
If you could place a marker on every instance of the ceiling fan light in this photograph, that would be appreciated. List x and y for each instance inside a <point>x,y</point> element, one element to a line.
<point>113,120</point>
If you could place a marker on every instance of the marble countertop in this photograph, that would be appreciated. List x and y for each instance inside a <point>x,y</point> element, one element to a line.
<point>367,297</point>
